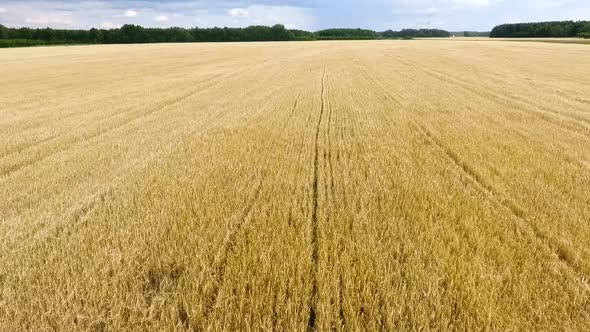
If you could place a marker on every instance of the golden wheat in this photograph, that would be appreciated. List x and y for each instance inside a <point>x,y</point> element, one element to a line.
<point>379,185</point>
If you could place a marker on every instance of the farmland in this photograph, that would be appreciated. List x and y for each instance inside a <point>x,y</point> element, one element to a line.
<point>396,185</point>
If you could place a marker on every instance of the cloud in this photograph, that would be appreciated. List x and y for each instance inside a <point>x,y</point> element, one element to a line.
<point>291,17</point>
<point>109,25</point>
<point>472,3</point>
<point>301,14</point>
<point>238,12</point>
<point>202,13</point>
<point>46,19</point>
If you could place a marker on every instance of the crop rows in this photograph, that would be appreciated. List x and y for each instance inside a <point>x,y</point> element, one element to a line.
<point>378,185</point>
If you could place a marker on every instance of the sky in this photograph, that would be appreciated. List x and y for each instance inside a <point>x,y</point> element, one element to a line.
<point>453,15</point>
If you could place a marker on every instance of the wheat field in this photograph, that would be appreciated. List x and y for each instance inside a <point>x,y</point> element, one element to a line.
<point>374,185</point>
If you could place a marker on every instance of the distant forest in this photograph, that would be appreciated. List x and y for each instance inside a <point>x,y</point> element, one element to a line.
<point>130,34</point>
<point>413,33</point>
<point>471,33</point>
<point>556,29</point>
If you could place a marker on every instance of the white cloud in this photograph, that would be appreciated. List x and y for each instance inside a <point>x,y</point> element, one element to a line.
<point>301,14</point>
<point>238,12</point>
<point>109,25</point>
<point>47,19</point>
<point>291,17</point>
<point>202,13</point>
<point>130,13</point>
<point>161,18</point>
<point>473,4</point>
<point>430,10</point>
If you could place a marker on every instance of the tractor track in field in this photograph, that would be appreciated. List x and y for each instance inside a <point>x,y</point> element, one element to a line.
<point>568,129</point>
<point>11,169</point>
<point>291,112</point>
<point>382,314</point>
<point>330,192</point>
<point>478,182</point>
<point>219,265</point>
<point>84,212</point>
<point>135,94</point>
<point>7,171</point>
<point>313,308</point>
<point>545,113</point>
<point>242,220</point>
<point>331,197</point>
<point>121,112</point>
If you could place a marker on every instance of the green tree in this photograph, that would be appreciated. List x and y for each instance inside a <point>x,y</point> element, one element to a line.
<point>540,29</point>
<point>3,32</point>
<point>280,33</point>
<point>95,36</point>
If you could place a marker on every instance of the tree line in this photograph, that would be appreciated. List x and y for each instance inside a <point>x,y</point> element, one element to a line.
<point>556,29</point>
<point>335,34</point>
<point>130,34</point>
<point>416,33</point>
<point>471,33</point>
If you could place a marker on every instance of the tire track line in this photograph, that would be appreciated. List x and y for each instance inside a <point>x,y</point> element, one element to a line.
<point>381,316</point>
<point>82,213</point>
<point>283,166</point>
<point>123,111</point>
<point>517,131</point>
<point>291,113</point>
<point>219,265</point>
<point>509,102</point>
<point>208,115</point>
<point>86,210</point>
<point>7,171</point>
<point>331,197</point>
<point>242,220</point>
<point>136,94</point>
<point>23,124</point>
<point>342,244</point>
<point>313,308</point>
<point>19,148</point>
<point>478,182</point>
